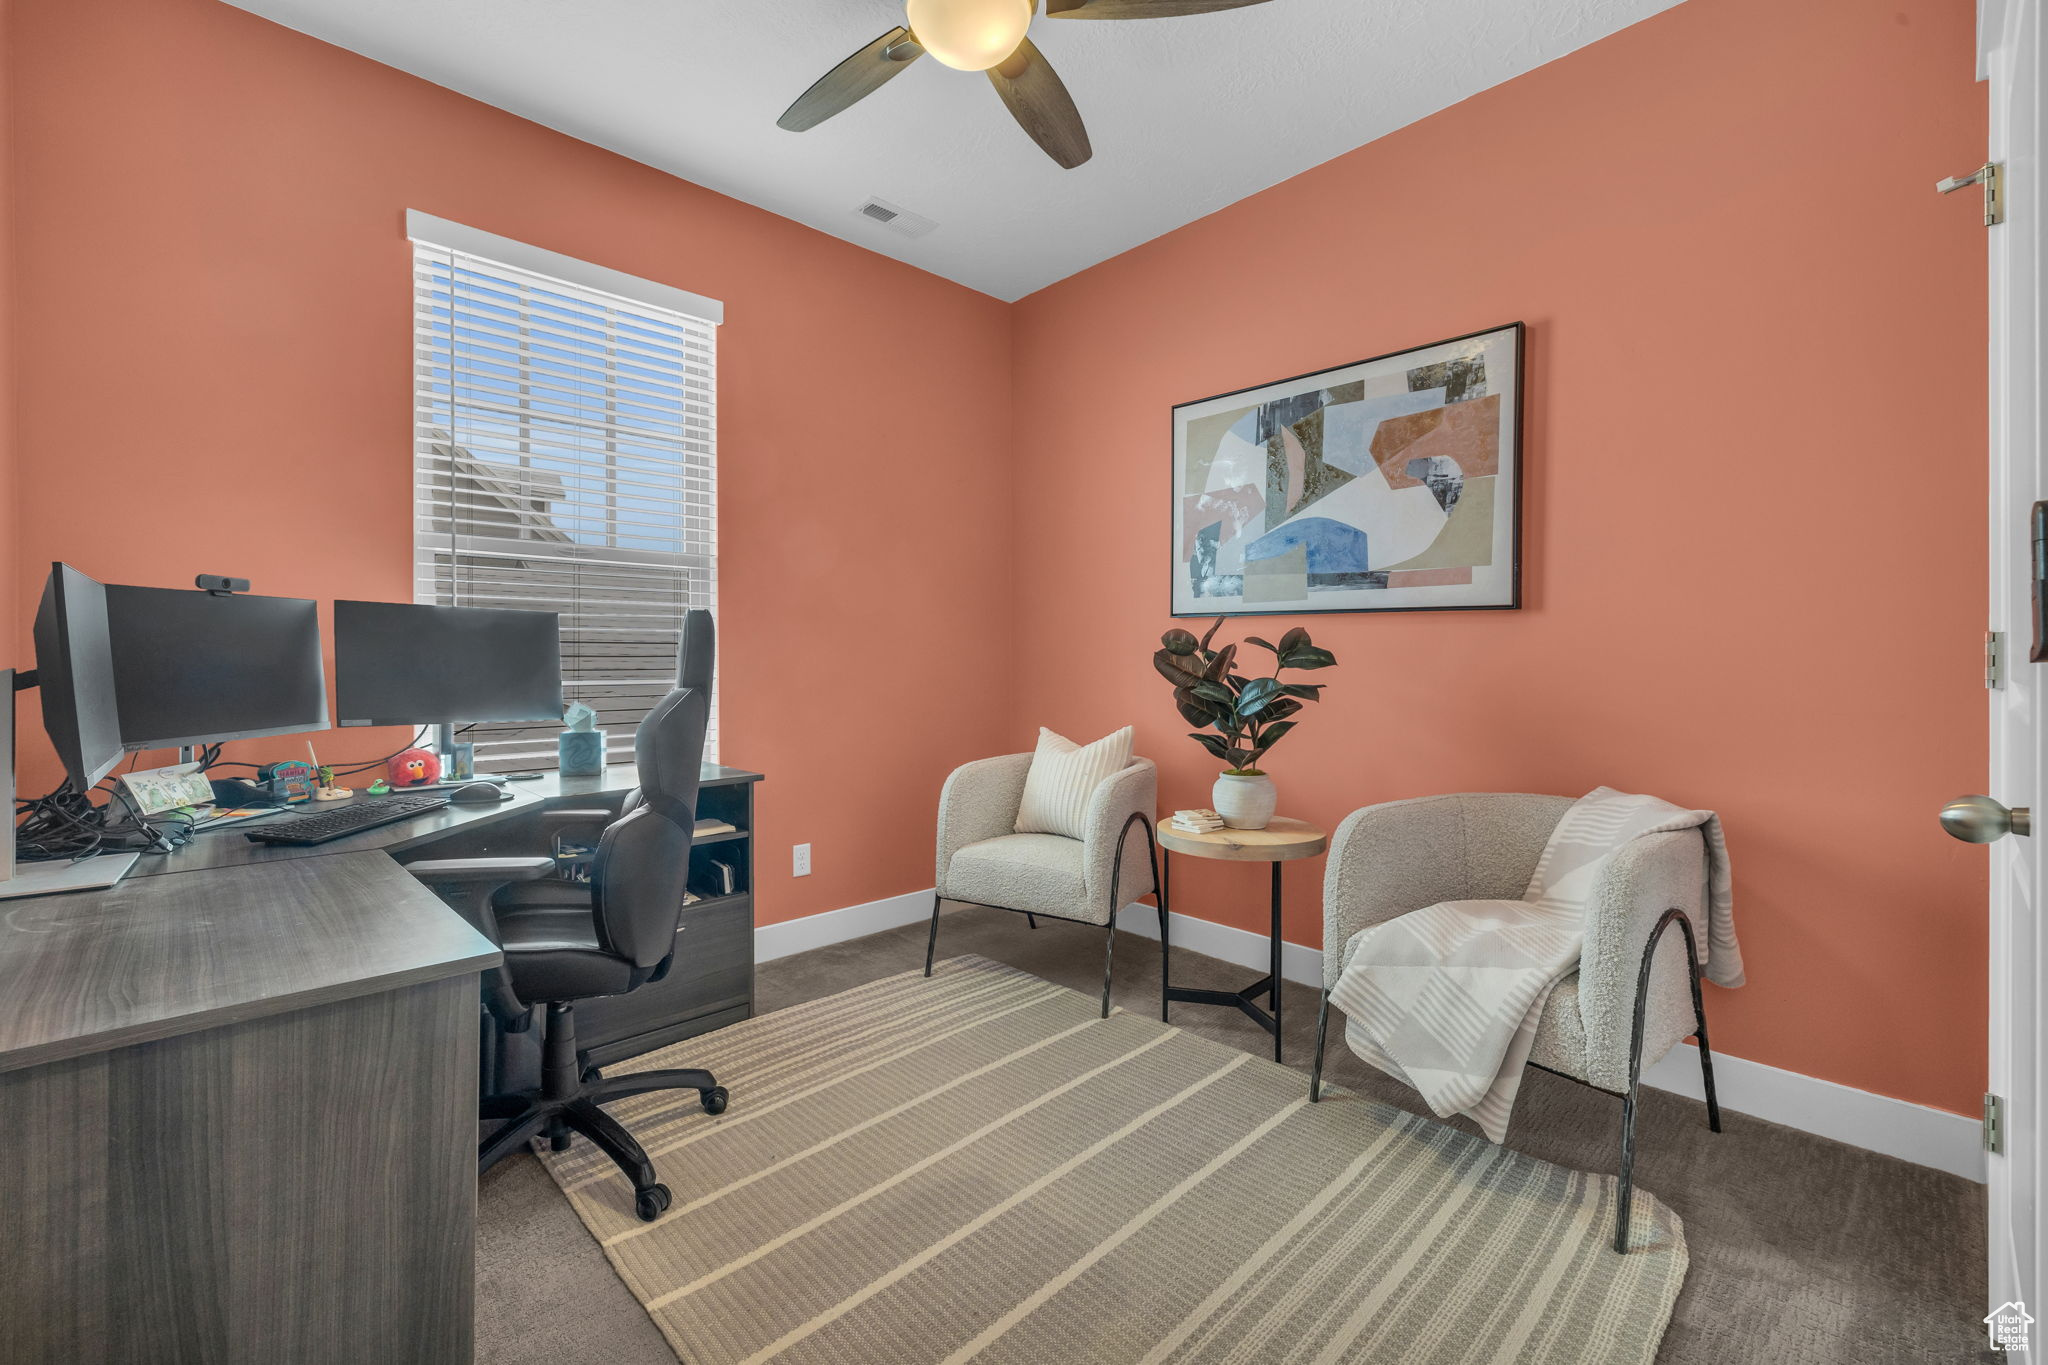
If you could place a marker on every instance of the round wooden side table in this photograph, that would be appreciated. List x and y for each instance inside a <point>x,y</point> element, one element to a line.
<point>1280,842</point>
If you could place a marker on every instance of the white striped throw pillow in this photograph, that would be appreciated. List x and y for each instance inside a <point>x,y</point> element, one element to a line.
<point>1063,776</point>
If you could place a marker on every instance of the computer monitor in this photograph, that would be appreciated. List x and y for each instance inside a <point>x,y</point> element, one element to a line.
<point>75,675</point>
<point>396,663</point>
<point>193,667</point>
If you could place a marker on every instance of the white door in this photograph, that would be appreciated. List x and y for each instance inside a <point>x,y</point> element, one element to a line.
<point>2012,54</point>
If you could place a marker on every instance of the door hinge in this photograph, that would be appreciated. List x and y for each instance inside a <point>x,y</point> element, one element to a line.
<point>1994,658</point>
<point>1991,175</point>
<point>1994,1124</point>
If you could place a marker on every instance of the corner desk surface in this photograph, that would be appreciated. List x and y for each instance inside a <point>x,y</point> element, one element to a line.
<point>261,929</point>
<point>228,847</point>
<point>155,957</point>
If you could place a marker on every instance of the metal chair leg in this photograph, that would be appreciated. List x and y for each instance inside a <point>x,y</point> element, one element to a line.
<point>1031,919</point>
<point>1108,963</point>
<point>931,943</point>
<point>1699,1018</point>
<point>1315,1075</point>
<point>1116,877</point>
<point>1625,1191</point>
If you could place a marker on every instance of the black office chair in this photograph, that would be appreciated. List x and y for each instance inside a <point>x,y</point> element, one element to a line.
<point>566,945</point>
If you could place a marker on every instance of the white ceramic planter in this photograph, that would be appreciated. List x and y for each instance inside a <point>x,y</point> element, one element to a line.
<point>1244,802</point>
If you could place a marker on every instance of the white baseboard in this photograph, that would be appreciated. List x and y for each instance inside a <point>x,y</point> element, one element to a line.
<point>1877,1123</point>
<point>1298,962</point>
<point>837,926</point>
<point>1860,1118</point>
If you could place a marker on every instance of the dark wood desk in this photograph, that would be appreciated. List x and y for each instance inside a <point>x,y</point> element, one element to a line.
<point>228,846</point>
<point>712,984</point>
<point>239,1119</point>
<point>240,1085</point>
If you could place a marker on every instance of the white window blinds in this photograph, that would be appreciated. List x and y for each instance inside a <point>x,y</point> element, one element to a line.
<point>565,443</point>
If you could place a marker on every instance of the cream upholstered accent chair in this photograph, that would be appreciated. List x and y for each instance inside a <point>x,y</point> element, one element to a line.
<point>1627,1004</point>
<point>984,861</point>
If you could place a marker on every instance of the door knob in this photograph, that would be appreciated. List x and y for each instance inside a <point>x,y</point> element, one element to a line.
<point>1980,820</point>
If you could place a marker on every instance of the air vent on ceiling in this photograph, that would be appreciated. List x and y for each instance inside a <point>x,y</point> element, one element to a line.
<point>896,218</point>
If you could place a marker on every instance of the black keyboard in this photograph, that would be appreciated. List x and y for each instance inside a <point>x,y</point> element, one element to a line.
<point>353,818</point>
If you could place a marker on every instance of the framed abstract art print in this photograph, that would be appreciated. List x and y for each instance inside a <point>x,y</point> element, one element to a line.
<point>1392,484</point>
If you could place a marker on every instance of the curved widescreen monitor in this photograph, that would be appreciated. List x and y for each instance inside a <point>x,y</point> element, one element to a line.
<point>193,667</point>
<point>396,663</point>
<point>75,675</point>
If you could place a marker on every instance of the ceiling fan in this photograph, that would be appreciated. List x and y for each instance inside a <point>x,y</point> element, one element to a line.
<point>985,35</point>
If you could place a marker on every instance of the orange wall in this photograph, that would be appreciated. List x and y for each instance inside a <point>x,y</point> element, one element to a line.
<point>1754,493</point>
<point>210,210</point>
<point>9,550</point>
<point>1755,498</point>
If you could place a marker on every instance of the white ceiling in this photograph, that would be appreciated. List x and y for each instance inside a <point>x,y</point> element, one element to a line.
<point>1186,115</point>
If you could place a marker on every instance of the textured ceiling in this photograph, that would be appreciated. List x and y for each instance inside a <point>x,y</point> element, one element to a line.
<point>1186,115</point>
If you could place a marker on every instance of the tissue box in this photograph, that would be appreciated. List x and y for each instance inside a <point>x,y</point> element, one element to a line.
<point>581,753</point>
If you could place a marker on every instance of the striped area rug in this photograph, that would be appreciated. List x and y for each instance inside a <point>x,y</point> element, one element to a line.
<point>977,1167</point>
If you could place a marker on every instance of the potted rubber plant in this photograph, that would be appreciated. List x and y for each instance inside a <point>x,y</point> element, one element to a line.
<point>1241,717</point>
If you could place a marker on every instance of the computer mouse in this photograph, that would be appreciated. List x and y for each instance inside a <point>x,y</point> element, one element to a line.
<point>479,794</point>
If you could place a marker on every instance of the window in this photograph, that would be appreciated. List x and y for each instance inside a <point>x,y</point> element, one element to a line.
<point>565,443</point>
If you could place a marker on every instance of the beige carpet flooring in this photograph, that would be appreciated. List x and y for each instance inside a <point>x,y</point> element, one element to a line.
<point>1802,1250</point>
<point>977,1166</point>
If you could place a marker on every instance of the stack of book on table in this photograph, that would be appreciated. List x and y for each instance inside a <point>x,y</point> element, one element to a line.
<point>1196,821</point>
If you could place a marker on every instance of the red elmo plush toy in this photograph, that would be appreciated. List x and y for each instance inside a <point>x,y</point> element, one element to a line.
<point>415,768</point>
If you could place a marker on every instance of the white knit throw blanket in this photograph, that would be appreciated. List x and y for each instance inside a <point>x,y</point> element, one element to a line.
<point>1447,998</point>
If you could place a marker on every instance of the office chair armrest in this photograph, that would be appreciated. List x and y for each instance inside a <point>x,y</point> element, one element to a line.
<point>597,816</point>
<point>467,885</point>
<point>503,871</point>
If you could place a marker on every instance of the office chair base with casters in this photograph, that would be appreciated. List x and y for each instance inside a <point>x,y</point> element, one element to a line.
<point>571,1090</point>
<point>568,1101</point>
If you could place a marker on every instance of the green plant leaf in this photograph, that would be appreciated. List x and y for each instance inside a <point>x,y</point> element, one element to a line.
<point>1307,656</point>
<point>1219,667</point>
<point>1210,634</point>
<point>1255,695</point>
<point>1270,736</point>
<point>1178,642</point>
<point>1281,707</point>
<point>1262,644</point>
<point>1213,743</point>
<point>1171,669</point>
<point>1241,758</point>
<point>1216,692</point>
<point>1309,691</point>
<point>1258,690</point>
<point>1193,709</point>
<point>1297,636</point>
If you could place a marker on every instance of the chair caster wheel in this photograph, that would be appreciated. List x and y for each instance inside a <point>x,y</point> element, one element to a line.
<point>651,1202</point>
<point>714,1099</point>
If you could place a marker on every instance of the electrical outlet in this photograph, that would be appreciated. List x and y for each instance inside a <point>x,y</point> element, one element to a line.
<point>800,861</point>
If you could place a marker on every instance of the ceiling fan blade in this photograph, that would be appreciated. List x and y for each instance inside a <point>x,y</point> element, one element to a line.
<point>1039,101</point>
<point>1138,9</point>
<point>859,76</point>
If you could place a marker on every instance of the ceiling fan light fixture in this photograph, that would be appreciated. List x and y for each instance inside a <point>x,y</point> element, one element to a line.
<point>969,35</point>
